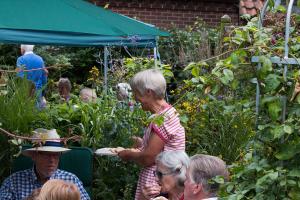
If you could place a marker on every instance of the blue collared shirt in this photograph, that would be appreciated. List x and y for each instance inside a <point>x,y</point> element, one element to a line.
<point>30,61</point>
<point>21,184</point>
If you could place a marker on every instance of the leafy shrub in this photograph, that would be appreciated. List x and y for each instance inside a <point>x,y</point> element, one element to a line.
<point>107,123</point>
<point>217,129</point>
<point>19,115</point>
<point>269,167</point>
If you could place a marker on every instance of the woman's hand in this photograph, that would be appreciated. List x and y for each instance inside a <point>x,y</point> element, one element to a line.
<point>151,191</point>
<point>125,154</point>
<point>117,150</point>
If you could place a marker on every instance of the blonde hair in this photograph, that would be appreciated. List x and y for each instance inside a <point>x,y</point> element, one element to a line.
<point>151,79</point>
<point>55,189</point>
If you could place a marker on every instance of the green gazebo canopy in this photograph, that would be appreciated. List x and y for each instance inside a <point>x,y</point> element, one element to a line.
<point>71,22</point>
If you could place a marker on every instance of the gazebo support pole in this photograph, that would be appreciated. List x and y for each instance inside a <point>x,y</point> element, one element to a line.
<point>155,56</point>
<point>105,69</point>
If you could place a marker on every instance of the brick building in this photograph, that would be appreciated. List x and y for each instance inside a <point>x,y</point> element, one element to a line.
<point>179,12</point>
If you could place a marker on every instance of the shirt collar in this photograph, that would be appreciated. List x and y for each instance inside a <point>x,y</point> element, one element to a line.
<point>34,176</point>
<point>28,52</point>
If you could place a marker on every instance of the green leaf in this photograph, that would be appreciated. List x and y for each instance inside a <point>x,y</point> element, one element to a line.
<point>267,64</point>
<point>195,71</point>
<point>268,99</point>
<point>203,64</point>
<point>277,132</point>
<point>228,74</point>
<point>229,188</point>
<point>287,151</point>
<point>281,8</point>
<point>298,3</point>
<point>234,59</point>
<point>272,81</point>
<point>217,179</point>
<point>274,110</point>
<point>168,73</point>
<point>184,118</point>
<point>158,120</point>
<point>263,180</point>
<point>295,47</point>
<point>190,66</point>
<point>294,194</point>
<point>287,129</point>
<point>271,3</point>
<point>298,18</point>
<point>294,173</point>
<point>235,84</point>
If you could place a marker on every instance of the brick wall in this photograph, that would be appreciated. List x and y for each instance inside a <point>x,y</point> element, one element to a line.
<point>163,13</point>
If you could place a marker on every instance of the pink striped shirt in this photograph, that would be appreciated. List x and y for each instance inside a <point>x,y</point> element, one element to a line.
<point>172,134</point>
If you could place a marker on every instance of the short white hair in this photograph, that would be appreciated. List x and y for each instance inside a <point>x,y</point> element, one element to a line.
<point>27,47</point>
<point>151,79</point>
<point>88,95</point>
<point>123,90</point>
<point>175,161</point>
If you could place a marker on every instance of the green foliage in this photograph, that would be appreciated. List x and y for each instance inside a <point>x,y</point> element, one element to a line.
<point>106,123</point>
<point>214,128</point>
<point>18,115</point>
<point>268,168</point>
<point>18,111</point>
<point>131,66</point>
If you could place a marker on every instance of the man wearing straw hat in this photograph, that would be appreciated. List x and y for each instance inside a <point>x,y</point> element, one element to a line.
<point>46,158</point>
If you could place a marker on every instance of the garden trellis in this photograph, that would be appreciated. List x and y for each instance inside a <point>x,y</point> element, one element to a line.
<point>72,23</point>
<point>285,60</point>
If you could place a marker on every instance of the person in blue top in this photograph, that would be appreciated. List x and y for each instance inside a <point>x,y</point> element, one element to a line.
<point>37,73</point>
<point>45,157</point>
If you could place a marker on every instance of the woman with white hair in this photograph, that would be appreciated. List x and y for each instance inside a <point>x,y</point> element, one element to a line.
<point>170,174</point>
<point>88,95</point>
<point>149,87</point>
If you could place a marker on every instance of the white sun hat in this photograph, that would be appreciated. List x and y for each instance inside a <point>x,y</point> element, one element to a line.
<point>48,140</point>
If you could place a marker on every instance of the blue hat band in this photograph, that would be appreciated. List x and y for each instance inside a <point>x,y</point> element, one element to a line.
<point>52,144</point>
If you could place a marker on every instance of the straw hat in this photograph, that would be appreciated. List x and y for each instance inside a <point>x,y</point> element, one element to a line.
<point>49,141</point>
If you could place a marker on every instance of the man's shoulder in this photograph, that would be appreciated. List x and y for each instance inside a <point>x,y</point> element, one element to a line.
<point>64,174</point>
<point>30,56</point>
<point>19,175</point>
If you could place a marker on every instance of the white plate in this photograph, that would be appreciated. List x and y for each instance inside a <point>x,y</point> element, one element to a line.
<point>105,152</point>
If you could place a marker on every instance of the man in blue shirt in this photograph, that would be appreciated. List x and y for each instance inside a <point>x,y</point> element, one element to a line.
<point>21,184</point>
<point>37,73</point>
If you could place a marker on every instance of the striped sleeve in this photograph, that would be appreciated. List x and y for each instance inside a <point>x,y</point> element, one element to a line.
<point>171,131</point>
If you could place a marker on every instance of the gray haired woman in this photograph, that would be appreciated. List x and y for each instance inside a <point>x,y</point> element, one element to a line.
<point>170,174</point>
<point>149,87</point>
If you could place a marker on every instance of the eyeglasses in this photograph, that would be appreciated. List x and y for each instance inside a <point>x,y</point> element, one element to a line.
<point>159,174</point>
<point>49,154</point>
